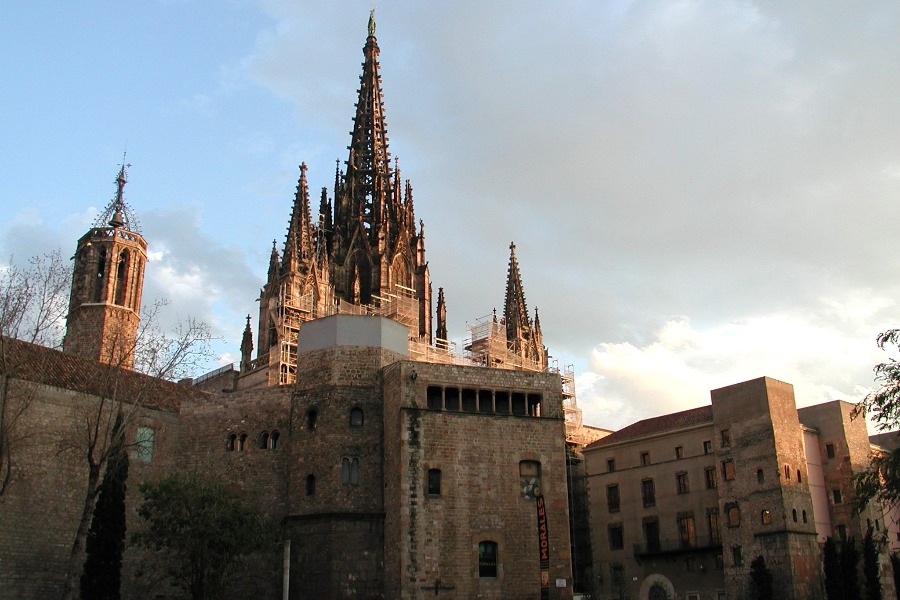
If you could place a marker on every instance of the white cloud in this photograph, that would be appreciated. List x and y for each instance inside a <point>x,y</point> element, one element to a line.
<point>825,354</point>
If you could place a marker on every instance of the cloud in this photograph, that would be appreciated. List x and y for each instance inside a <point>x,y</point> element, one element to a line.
<point>825,355</point>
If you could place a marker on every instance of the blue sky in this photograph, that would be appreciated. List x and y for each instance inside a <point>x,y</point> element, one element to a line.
<point>700,192</point>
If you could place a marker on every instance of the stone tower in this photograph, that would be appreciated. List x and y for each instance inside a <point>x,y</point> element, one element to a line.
<point>366,256</point>
<point>107,281</point>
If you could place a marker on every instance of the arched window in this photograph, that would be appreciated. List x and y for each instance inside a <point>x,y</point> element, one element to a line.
<point>122,278</point>
<point>760,476</point>
<point>354,472</point>
<point>487,559</point>
<point>310,485</point>
<point>766,517</point>
<point>787,472</point>
<point>242,442</point>
<point>794,514</point>
<point>799,477</point>
<point>101,272</point>
<point>356,417</point>
<point>311,416</point>
<point>804,516</point>
<point>264,440</point>
<point>530,478</point>
<point>231,443</point>
<point>274,440</point>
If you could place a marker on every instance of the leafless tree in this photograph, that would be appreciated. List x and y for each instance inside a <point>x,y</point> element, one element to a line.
<point>33,302</point>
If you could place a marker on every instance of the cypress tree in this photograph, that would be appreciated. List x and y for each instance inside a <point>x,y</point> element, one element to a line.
<point>834,587</point>
<point>871,567</point>
<point>101,578</point>
<point>849,574</point>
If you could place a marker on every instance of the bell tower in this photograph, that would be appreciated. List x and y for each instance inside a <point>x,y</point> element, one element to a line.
<point>107,281</point>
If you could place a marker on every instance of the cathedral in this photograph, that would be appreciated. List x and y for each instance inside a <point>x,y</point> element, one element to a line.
<point>395,465</point>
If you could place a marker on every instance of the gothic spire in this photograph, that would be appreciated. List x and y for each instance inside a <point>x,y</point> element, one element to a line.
<point>441,331</point>
<point>368,178</point>
<point>298,247</point>
<point>246,347</point>
<point>515,312</point>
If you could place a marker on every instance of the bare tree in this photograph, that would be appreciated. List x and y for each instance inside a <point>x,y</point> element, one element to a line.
<point>33,302</point>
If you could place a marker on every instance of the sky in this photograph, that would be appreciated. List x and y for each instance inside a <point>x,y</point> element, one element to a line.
<point>700,193</point>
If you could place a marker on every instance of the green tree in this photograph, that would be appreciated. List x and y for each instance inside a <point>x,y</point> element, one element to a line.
<point>101,578</point>
<point>849,573</point>
<point>881,480</point>
<point>201,530</point>
<point>871,567</point>
<point>831,559</point>
<point>760,579</point>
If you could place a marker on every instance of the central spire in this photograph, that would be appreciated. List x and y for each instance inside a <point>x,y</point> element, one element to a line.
<point>368,180</point>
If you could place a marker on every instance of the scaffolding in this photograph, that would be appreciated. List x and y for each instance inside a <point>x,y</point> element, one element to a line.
<point>571,412</point>
<point>487,346</point>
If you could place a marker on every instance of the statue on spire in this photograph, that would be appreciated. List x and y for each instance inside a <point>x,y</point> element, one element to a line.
<point>372,23</point>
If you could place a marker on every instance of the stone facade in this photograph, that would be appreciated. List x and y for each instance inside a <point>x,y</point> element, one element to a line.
<point>729,482</point>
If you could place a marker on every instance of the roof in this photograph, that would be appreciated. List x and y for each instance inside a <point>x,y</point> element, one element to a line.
<point>656,425</point>
<point>47,366</point>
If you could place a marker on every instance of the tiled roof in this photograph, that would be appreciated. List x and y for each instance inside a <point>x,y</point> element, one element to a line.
<point>38,364</point>
<point>670,422</point>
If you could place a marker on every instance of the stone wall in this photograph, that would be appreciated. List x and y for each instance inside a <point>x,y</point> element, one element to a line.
<point>431,545</point>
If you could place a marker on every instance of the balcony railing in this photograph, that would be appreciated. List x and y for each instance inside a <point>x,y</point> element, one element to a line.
<point>676,546</point>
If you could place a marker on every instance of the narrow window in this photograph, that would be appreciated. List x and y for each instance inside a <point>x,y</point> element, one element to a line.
<point>311,417</point>
<point>231,443</point>
<point>760,476</point>
<point>829,450</point>
<point>710,473</point>
<point>766,517</point>
<point>487,559</point>
<point>707,446</point>
<point>726,438</point>
<point>842,532</point>
<point>356,417</point>
<point>242,442</point>
<point>799,477</point>
<point>616,537</point>
<point>687,535</point>
<point>645,458</point>
<point>354,472</point>
<point>728,470</point>
<point>712,520</point>
<point>648,492</point>
<point>804,516</point>
<point>434,482</point>
<point>787,472</point>
<point>610,465</point>
<point>122,278</point>
<point>681,483</point>
<point>530,478</point>
<point>736,557</point>
<point>345,471</point>
<point>310,485</point>
<point>274,440</point>
<point>612,497</point>
<point>836,494</point>
<point>264,440</point>
<point>679,452</point>
<point>143,444</point>
<point>101,271</point>
<point>794,514</point>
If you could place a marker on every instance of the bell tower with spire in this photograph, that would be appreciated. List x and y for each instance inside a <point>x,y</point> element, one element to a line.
<point>107,281</point>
